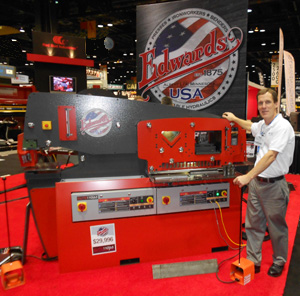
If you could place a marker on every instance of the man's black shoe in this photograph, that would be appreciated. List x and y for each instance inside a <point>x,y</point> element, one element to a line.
<point>257,269</point>
<point>275,270</point>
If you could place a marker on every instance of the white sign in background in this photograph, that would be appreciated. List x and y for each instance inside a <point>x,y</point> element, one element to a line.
<point>20,79</point>
<point>289,73</point>
<point>281,47</point>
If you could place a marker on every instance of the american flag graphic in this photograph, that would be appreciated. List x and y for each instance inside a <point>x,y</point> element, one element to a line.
<point>185,35</point>
<point>96,123</point>
<point>102,231</point>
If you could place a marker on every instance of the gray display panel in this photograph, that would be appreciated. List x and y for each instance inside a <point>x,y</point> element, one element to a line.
<point>98,205</point>
<point>192,198</point>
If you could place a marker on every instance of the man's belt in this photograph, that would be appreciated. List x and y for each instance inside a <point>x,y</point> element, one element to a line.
<point>269,180</point>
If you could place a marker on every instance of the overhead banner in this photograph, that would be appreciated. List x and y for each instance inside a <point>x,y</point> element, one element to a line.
<point>194,52</point>
<point>58,45</point>
<point>289,73</point>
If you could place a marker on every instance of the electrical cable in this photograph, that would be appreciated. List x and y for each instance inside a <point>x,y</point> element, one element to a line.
<point>243,245</point>
<point>14,188</point>
<point>43,258</point>
<point>222,262</point>
<point>217,221</point>
<point>16,199</point>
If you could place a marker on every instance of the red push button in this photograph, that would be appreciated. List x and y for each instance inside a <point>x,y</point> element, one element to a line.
<point>149,199</point>
<point>81,206</point>
<point>166,200</point>
<point>224,193</point>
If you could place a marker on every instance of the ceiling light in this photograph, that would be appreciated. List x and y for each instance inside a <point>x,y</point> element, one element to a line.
<point>14,40</point>
<point>109,25</point>
<point>100,26</point>
<point>249,10</point>
<point>262,30</point>
<point>250,31</point>
<point>263,44</point>
<point>124,54</point>
<point>22,30</point>
<point>256,29</point>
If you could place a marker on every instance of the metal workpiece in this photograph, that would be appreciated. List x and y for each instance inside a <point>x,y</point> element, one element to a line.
<point>190,176</point>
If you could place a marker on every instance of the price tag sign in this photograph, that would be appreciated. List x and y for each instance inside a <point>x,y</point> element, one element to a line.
<point>103,239</point>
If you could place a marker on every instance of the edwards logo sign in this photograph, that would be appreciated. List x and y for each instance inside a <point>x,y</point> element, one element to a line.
<point>191,56</point>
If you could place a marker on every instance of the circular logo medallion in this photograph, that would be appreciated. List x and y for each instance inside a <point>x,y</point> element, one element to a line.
<point>96,123</point>
<point>194,58</point>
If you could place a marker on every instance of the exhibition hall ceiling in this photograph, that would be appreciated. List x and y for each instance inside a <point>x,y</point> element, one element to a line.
<point>66,18</point>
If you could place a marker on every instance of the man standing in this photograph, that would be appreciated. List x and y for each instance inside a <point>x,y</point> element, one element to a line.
<point>268,193</point>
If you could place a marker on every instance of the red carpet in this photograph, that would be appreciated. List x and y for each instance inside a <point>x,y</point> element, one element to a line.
<point>43,278</point>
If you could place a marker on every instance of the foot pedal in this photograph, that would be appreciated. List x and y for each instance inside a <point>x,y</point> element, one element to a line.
<point>242,271</point>
<point>12,275</point>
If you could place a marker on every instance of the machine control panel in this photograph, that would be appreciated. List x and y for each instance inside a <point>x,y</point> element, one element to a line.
<point>99,205</point>
<point>192,198</point>
<point>125,203</point>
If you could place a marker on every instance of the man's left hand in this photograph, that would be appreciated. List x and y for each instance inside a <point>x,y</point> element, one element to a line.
<point>241,180</point>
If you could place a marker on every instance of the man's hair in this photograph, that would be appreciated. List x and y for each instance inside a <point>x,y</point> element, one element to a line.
<point>166,101</point>
<point>270,91</point>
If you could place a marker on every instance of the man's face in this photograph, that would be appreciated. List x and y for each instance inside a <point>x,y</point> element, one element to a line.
<point>266,107</point>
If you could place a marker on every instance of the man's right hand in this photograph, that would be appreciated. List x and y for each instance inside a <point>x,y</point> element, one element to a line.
<point>229,116</point>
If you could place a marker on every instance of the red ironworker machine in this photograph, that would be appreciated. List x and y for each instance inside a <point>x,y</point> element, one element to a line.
<point>146,185</point>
